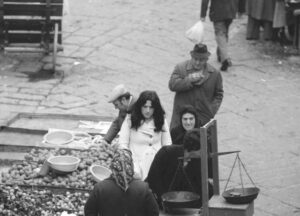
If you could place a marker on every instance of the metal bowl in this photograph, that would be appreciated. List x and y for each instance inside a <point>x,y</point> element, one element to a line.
<point>63,164</point>
<point>241,195</point>
<point>175,200</point>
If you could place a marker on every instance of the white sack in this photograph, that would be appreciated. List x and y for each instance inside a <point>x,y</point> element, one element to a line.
<point>196,32</point>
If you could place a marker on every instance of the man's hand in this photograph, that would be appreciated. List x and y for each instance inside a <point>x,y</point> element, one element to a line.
<point>195,77</point>
<point>202,19</point>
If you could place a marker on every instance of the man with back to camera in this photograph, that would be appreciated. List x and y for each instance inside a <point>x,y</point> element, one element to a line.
<point>221,13</point>
<point>121,98</point>
<point>170,172</point>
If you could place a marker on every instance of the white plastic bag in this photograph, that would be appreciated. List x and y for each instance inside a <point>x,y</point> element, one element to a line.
<point>196,32</point>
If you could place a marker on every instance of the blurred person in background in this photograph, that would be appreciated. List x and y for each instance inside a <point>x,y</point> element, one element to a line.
<point>260,14</point>
<point>222,13</point>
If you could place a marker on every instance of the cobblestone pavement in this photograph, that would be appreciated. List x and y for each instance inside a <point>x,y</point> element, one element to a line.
<point>107,42</point>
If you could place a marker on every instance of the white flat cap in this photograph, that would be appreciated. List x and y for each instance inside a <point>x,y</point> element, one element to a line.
<point>118,91</point>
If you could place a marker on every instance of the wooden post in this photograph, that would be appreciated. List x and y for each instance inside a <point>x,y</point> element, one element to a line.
<point>1,24</point>
<point>204,172</point>
<point>215,160</point>
<point>212,124</point>
<point>47,21</point>
<point>55,47</point>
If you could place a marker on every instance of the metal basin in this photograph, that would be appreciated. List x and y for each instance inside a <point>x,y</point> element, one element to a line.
<point>241,195</point>
<point>175,200</point>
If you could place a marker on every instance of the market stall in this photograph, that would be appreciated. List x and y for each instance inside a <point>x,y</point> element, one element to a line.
<point>64,159</point>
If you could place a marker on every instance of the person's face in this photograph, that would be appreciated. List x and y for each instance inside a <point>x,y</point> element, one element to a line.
<point>188,121</point>
<point>120,104</point>
<point>147,110</point>
<point>199,62</point>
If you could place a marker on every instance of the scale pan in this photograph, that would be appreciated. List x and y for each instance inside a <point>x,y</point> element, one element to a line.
<point>240,195</point>
<point>177,201</point>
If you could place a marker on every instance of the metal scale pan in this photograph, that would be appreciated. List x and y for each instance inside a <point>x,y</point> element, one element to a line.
<point>241,195</point>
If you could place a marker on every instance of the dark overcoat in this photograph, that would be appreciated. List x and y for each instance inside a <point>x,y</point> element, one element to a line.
<point>166,173</point>
<point>221,10</point>
<point>261,9</point>
<point>108,199</point>
<point>206,98</point>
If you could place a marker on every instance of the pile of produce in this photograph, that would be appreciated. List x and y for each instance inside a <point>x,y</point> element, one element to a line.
<point>25,191</point>
<point>27,171</point>
<point>16,201</point>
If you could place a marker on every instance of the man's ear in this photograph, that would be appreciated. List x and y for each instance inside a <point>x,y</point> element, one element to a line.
<point>123,100</point>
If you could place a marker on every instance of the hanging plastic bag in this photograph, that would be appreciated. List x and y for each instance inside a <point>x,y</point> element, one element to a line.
<point>196,32</point>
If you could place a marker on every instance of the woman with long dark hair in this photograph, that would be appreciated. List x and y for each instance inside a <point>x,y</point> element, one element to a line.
<point>145,131</point>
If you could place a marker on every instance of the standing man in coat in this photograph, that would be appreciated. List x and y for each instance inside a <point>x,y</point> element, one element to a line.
<point>121,98</point>
<point>196,83</point>
<point>260,13</point>
<point>221,13</point>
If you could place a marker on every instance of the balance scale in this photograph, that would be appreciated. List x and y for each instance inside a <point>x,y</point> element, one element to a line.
<point>217,205</point>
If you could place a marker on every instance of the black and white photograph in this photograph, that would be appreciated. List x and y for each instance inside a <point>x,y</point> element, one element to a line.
<point>149,108</point>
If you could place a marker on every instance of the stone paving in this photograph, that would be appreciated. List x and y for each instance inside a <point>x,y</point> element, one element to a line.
<point>138,43</point>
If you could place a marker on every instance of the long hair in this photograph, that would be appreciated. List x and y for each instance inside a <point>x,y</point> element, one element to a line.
<point>158,115</point>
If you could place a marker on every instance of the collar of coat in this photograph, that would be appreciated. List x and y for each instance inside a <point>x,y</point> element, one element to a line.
<point>207,67</point>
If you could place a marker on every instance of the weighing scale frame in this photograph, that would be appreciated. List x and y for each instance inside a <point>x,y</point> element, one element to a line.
<point>212,125</point>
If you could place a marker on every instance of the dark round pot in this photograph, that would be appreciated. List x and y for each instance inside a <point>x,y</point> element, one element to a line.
<point>241,195</point>
<point>174,200</point>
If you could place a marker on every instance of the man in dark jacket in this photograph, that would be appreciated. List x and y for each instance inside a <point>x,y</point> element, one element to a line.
<point>121,98</point>
<point>221,13</point>
<point>196,83</point>
<point>168,172</point>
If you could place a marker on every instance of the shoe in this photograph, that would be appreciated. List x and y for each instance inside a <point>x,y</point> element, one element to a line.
<point>226,63</point>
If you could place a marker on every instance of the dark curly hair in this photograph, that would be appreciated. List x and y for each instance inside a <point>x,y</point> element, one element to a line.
<point>158,114</point>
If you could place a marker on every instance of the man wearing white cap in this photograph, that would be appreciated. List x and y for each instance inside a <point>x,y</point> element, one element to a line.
<point>123,101</point>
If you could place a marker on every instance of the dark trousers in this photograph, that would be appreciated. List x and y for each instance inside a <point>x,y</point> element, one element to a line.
<point>253,29</point>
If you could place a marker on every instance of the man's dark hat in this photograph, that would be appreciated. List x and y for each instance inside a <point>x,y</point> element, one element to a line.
<point>200,51</point>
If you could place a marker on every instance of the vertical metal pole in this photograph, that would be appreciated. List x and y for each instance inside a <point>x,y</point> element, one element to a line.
<point>204,171</point>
